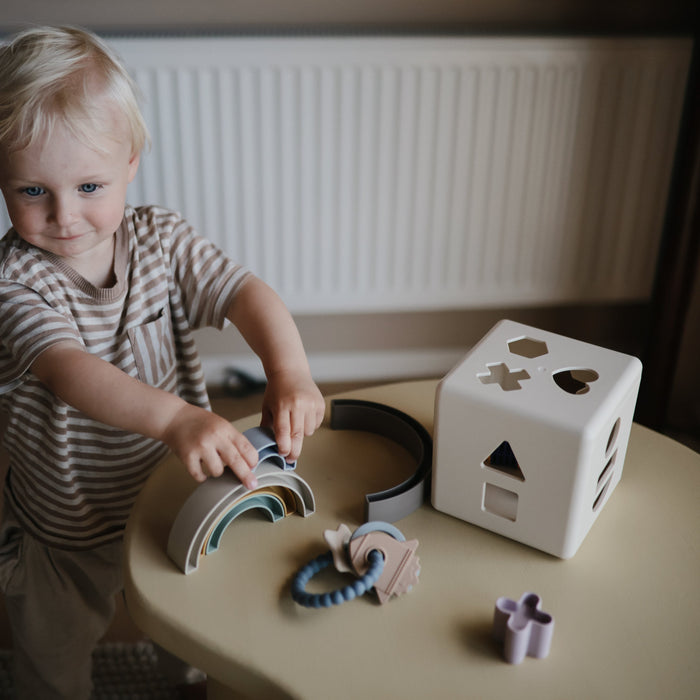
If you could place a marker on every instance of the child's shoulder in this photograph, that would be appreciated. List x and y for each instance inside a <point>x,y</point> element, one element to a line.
<point>152,217</point>
<point>16,255</point>
<point>155,228</point>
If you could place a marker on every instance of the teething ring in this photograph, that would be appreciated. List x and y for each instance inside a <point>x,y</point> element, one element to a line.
<point>377,553</point>
<point>324,600</point>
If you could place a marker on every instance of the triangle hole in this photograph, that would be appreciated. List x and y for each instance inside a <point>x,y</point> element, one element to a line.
<point>503,459</point>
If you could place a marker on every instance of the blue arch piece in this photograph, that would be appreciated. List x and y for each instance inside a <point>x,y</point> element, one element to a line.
<point>268,502</point>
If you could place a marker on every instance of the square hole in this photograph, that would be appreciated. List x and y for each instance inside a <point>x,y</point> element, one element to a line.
<point>501,502</point>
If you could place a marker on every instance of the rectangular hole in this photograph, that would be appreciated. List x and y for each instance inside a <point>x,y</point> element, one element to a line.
<point>606,470</point>
<point>500,502</point>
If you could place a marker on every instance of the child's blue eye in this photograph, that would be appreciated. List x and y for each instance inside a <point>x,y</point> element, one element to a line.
<point>89,188</point>
<point>34,190</point>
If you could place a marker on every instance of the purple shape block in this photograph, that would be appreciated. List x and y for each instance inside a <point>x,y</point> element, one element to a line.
<point>522,627</point>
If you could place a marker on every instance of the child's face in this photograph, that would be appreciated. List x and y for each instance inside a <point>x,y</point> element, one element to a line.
<point>65,197</point>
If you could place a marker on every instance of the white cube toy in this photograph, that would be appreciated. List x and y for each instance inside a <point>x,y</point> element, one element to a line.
<point>531,431</point>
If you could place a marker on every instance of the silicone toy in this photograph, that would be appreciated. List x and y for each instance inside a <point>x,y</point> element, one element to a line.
<point>341,595</point>
<point>263,440</point>
<point>399,501</point>
<point>377,553</point>
<point>215,503</point>
<point>531,432</point>
<point>522,628</point>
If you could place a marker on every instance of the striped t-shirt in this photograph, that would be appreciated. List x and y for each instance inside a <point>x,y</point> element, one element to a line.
<point>72,480</point>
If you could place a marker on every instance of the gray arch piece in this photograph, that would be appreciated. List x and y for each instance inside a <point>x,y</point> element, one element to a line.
<point>399,501</point>
<point>263,440</point>
<point>378,526</point>
<point>208,505</point>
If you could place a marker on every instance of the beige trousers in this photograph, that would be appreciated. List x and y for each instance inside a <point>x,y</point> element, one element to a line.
<point>59,603</point>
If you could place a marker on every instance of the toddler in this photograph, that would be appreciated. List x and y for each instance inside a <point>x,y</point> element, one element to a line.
<point>99,374</point>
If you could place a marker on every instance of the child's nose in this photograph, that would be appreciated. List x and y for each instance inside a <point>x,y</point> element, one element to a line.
<point>63,211</point>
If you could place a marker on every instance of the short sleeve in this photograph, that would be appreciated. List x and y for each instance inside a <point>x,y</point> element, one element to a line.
<point>28,326</point>
<point>208,279</point>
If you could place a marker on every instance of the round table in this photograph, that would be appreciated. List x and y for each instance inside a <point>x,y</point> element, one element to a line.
<point>626,610</point>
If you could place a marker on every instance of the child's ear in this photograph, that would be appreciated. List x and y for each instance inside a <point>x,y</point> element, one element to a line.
<point>134,165</point>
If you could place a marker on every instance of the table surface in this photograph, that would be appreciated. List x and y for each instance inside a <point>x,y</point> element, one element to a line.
<point>626,606</point>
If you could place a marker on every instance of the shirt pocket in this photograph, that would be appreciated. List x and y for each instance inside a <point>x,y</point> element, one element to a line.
<point>154,349</point>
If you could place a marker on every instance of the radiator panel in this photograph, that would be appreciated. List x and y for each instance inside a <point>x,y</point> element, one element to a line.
<point>374,174</point>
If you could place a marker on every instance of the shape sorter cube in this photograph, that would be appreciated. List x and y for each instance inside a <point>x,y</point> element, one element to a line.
<point>531,431</point>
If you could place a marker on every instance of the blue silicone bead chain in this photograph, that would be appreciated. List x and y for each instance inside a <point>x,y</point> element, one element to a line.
<point>353,590</point>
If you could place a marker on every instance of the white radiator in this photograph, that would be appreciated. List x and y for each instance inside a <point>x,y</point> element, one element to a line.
<point>374,174</point>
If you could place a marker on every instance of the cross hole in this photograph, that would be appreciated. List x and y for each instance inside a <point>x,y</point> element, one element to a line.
<point>500,374</point>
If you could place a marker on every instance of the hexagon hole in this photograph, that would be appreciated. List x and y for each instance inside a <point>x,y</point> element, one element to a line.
<point>527,347</point>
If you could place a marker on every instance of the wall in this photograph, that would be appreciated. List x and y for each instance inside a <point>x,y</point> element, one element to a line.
<point>352,347</point>
<point>655,16</point>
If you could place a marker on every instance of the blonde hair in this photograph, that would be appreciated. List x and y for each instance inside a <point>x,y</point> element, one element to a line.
<point>58,74</point>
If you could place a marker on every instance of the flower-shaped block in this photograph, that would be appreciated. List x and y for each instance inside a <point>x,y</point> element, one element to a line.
<point>522,627</point>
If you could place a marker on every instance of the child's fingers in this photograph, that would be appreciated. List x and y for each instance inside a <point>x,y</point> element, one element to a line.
<point>282,428</point>
<point>212,463</point>
<point>245,450</point>
<point>315,418</point>
<point>194,469</point>
<point>296,438</point>
<point>267,419</point>
<point>301,423</point>
<point>241,457</point>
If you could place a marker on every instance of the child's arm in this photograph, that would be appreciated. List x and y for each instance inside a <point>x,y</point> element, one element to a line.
<point>292,405</point>
<point>205,442</point>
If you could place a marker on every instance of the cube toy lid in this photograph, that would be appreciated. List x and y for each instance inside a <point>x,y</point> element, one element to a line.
<point>543,373</point>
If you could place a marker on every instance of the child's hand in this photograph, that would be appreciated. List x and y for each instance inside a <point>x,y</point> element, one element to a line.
<point>293,407</point>
<point>207,443</point>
